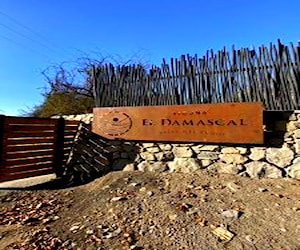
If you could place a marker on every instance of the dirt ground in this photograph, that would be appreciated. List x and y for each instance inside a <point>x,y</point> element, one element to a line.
<point>136,210</point>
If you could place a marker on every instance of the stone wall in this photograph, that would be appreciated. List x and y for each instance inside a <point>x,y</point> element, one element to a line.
<point>278,157</point>
<point>86,118</point>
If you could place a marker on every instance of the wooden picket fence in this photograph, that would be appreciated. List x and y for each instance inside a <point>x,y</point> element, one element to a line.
<point>269,74</point>
<point>34,146</point>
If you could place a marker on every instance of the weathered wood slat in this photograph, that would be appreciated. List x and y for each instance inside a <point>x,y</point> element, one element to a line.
<point>26,161</point>
<point>28,127</point>
<point>20,134</point>
<point>70,142</point>
<point>28,120</point>
<point>29,140</point>
<point>27,168</point>
<point>68,139</point>
<point>14,176</point>
<point>71,123</point>
<point>67,133</point>
<point>26,154</point>
<point>29,148</point>
<point>67,148</point>
<point>73,128</point>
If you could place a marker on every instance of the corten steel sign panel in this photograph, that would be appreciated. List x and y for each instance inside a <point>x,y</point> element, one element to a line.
<point>216,123</point>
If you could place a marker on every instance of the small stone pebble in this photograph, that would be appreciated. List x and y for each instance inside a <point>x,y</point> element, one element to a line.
<point>133,184</point>
<point>118,198</point>
<point>143,189</point>
<point>231,214</point>
<point>172,216</point>
<point>262,190</point>
<point>150,193</point>
<point>55,217</point>
<point>249,238</point>
<point>89,231</point>
<point>233,186</point>
<point>74,228</point>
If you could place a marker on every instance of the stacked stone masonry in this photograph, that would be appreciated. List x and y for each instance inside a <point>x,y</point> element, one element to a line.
<point>279,157</point>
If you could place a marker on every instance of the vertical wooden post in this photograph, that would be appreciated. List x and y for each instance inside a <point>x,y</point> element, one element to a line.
<point>59,147</point>
<point>2,117</point>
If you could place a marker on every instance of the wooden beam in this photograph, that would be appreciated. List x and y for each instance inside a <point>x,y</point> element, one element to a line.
<point>2,117</point>
<point>59,147</point>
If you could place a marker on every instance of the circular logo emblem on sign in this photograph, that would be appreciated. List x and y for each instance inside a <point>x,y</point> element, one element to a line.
<point>116,123</point>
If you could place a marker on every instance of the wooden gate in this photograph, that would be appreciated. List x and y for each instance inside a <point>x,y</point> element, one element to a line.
<point>34,146</point>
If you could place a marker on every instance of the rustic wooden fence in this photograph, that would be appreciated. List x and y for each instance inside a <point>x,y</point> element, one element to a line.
<point>34,146</point>
<point>268,74</point>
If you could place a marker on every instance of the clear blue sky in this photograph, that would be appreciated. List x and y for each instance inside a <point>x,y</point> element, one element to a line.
<point>36,34</point>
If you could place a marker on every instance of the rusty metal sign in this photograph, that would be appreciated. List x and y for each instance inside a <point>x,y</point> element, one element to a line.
<point>216,123</point>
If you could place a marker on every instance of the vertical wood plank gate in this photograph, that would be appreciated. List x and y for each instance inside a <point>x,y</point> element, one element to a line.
<point>34,146</point>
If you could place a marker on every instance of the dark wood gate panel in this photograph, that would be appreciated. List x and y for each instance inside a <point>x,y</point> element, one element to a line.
<point>34,146</point>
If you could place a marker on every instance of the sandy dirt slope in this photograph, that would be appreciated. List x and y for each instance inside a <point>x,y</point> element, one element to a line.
<point>135,210</point>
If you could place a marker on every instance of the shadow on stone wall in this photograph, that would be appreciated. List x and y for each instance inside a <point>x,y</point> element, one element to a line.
<point>93,156</point>
<point>276,127</point>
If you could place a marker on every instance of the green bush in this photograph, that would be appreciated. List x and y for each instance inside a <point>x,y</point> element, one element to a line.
<point>60,103</point>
